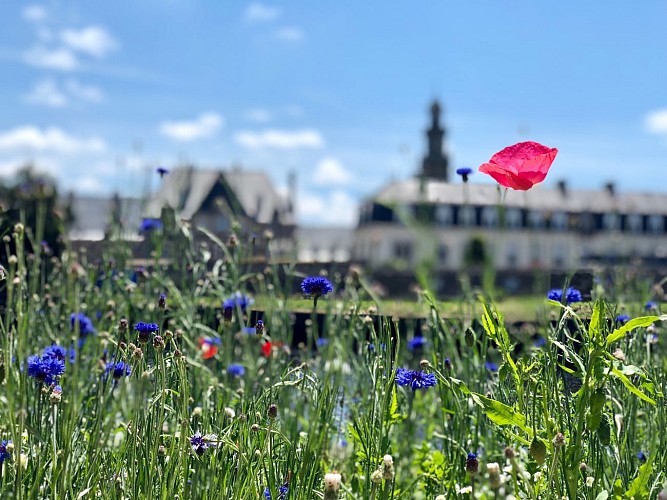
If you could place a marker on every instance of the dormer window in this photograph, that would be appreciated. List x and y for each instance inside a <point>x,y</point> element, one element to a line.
<point>444,215</point>
<point>611,222</point>
<point>490,217</point>
<point>536,219</point>
<point>513,217</point>
<point>467,216</point>
<point>634,223</point>
<point>559,221</point>
<point>656,224</point>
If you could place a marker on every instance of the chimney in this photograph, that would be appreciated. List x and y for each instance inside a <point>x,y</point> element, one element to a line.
<point>610,187</point>
<point>562,188</point>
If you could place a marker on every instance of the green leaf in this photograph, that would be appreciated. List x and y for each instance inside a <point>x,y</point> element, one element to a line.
<point>639,487</point>
<point>594,327</point>
<point>641,322</point>
<point>603,495</point>
<point>630,386</point>
<point>501,414</point>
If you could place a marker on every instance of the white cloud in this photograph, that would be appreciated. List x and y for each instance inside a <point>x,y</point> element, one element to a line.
<point>61,59</point>
<point>34,13</point>
<point>205,126</point>
<point>83,92</point>
<point>10,166</point>
<point>281,139</point>
<point>47,93</point>
<point>336,208</point>
<point>257,12</point>
<point>290,34</point>
<point>330,171</point>
<point>656,121</point>
<point>258,115</point>
<point>54,139</point>
<point>50,93</point>
<point>87,184</point>
<point>92,40</point>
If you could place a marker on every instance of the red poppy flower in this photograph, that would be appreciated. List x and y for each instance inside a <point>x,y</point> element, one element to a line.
<point>266,349</point>
<point>208,348</point>
<point>520,166</point>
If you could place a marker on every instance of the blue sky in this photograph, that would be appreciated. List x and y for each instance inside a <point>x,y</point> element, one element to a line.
<point>99,93</point>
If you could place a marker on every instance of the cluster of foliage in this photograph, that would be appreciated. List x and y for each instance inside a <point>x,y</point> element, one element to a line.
<point>31,199</point>
<point>122,384</point>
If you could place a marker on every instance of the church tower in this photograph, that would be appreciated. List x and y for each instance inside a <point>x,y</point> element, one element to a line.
<point>435,165</point>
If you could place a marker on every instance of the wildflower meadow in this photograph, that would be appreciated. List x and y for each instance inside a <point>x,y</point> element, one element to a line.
<point>189,380</point>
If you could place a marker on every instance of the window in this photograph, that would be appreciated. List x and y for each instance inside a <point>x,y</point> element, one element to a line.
<point>512,256</point>
<point>513,217</point>
<point>559,221</point>
<point>443,252</point>
<point>559,256</point>
<point>611,222</point>
<point>655,224</point>
<point>444,215</point>
<point>466,216</point>
<point>535,219</point>
<point>403,250</point>
<point>634,223</point>
<point>490,216</point>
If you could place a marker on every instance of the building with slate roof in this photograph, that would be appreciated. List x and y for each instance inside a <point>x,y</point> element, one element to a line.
<point>429,216</point>
<point>214,199</point>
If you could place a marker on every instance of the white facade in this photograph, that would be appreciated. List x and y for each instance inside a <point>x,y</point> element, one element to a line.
<point>409,221</point>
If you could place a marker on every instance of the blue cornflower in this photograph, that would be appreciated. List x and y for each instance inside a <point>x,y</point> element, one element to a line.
<point>572,295</point>
<point>237,300</point>
<point>415,379</point>
<point>464,173</point>
<point>259,327</point>
<point>118,369</point>
<point>145,330</point>
<point>282,492</point>
<point>236,370</point>
<point>199,443</point>
<point>321,342</point>
<point>492,367</point>
<point>472,464</point>
<point>316,286</point>
<point>448,364</point>
<point>417,342</point>
<point>84,323</point>
<point>540,342</point>
<point>148,225</point>
<point>45,369</point>
<point>650,305</point>
<point>249,330</point>
<point>162,301</point>
<point>4,454</point>
<point>622,319</point>
<point>642,457</point>
<point>59,352</point>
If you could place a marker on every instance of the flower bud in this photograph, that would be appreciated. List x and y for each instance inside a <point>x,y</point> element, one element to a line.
<point>472,464</point>
<point>538,450</point>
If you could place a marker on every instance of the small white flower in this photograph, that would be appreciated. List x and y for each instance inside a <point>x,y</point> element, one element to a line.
<point>388,461</point>
<point>332,482</point>
<point>589,481</point>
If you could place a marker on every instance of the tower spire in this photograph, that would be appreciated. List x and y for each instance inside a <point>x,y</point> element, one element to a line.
<point>435,164</point>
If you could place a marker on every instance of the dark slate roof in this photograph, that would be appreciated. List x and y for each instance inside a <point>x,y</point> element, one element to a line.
<point>186,189</point>
<point>93,214</point>
<point>538,198</point>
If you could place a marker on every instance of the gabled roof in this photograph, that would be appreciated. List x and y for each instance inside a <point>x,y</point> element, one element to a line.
<point>538,198</point>
<point>186,189</point>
